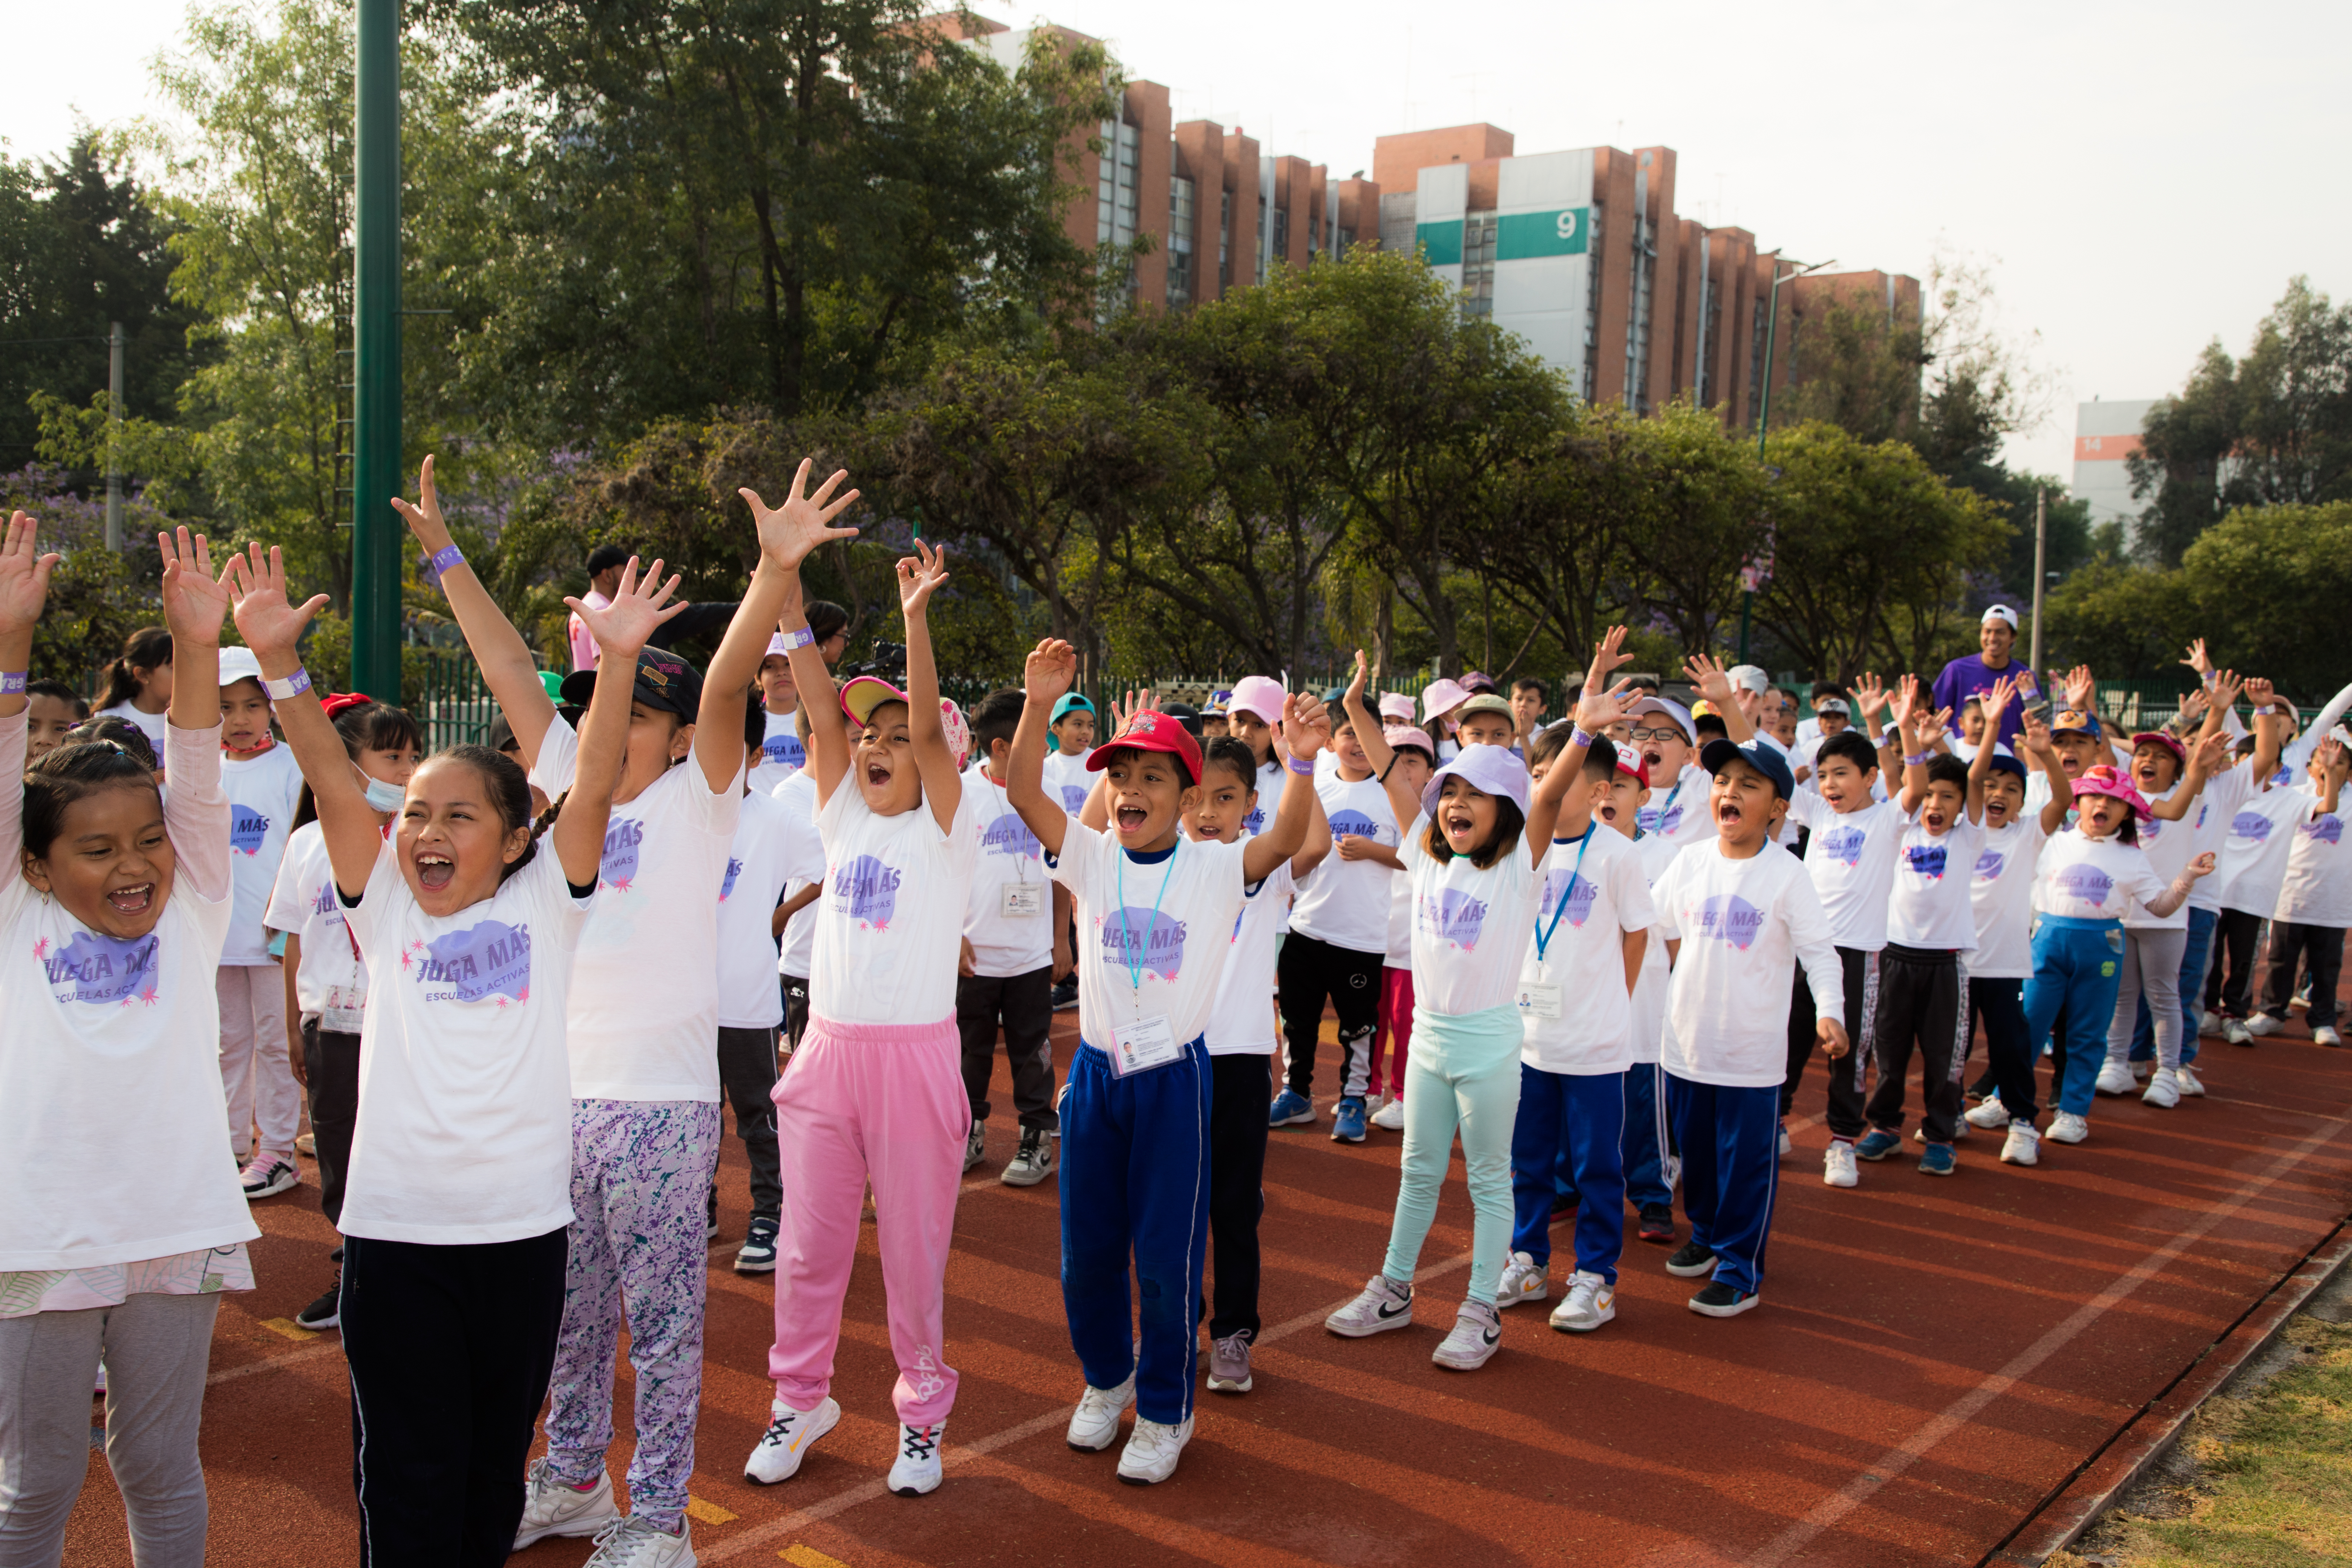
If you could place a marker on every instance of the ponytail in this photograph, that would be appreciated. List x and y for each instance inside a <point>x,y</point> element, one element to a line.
<point>148,647</point>
<point>547,818</point>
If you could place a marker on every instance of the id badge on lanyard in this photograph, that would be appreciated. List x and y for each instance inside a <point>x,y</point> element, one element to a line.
<point>1147,1042</point>
<point>1023,898</point>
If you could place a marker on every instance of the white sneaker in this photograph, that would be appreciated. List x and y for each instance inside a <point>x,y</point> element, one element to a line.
<point>1389,1117</point>
<point>1987,1115</point>
<point>2261,1024</point>
<point>2187,1083</point>
<point>2208,1022</point>
<point>552,1507</point>
<point>916,1470</point>
<point>2163,1089</point>
<point>2115,1078</point>
<point>1590,1301</point>
<point>1384,1304</point>
<point>2068,1128</point>
<point>633,1543</point>
<point>1838,1169</point>
<point>1523,1280</point>
<point>2325,1036</point>
<point>1152,1450</point>
<point>267,1175</point>
<point>2142,1072</point>
<point>786,1443</point>
<point>1960,1131</point>
<point>1785,1145</point>
<point>1094,1425</point>
<point>975,1145</point>
<point>1477,1333</point>
<point>2022,1146</point>
<point>2236,1033</point>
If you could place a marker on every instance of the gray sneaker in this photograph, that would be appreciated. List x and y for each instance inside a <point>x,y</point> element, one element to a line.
<point>552,1507</point>
<point>1034,1163</point>
<point>1229,1363</point>
<point>975,1145</point>
<point>1384,1305</point>
<point>1477,1334</point>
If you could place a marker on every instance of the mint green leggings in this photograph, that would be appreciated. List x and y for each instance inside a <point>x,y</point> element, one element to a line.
<point>1464,1073</point>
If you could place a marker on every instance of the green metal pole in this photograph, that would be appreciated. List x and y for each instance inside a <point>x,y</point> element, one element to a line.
<point>376,531</point>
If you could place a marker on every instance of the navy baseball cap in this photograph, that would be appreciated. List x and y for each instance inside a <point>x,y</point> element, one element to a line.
<point>1719,754</point>
<point>663,681</point>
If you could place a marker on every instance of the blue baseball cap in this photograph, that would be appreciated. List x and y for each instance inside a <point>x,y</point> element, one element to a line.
<point>1064,704</point>
<point>1717,755</point>
<point>2005,760</point>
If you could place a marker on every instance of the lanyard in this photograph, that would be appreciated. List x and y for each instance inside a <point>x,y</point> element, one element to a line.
<point>1128,954</point>
<point>1544,932</point>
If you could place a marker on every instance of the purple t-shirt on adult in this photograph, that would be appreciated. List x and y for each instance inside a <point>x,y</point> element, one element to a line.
<point>1964,677</point>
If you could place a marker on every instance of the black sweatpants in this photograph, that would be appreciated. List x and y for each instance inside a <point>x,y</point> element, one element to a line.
<point>796,1009</point>
<point>2321,948</point>
<point>2236,934</point>
<point>1922,993</point>
<point>332,1062</point>
<point>1309,971</point>
<point>450,1349</point>
<point>747,1071</point>
<point>1024,1005</point>
<point>1861,971</point>
<point>1239,1088</point>
<point>2009,1055</point>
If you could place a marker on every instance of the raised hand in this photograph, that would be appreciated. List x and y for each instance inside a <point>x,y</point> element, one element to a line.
<point>1123,712</point>
<point>1360,679</point>
<point>1306,723</point>
<point>1712,679</point>
<point>919,575</point>
<point>2333,761</point>
<point>2260,691</point>
<point>2037,736</point>
<point>2197,659</point>
<point>1906,702</point>
<point>424,518</point>
<point>1596,710</point>
<point>2226,687</point>
<point>1995,700</point>
<point>1870,693</point>
<point>791,533</point>
<point>2079,688</point>
<point>24,576</point>
<point>270,622</point>
<point>1049,670</point>
<point>2212,753</point>
<point>636,613</point>
<point>1606,660</point>
<point>195,601</point>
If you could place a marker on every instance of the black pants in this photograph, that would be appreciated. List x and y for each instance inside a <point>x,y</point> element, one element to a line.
<point>2009,1055</point>
<point>1861,971</point>
<point>1310,971</point>
<point>450,1349</point>
<point>1921,1003</point>
<point>2319,947</point>
<point>331,1063</point>
<point>1239,1088</point>
<point>797,1010</point>
<point>2235,935</point>
<point>1024,1005</point>
<point>747,1070</point>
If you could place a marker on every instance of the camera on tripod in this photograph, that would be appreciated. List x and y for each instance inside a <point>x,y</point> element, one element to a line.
<point>889,661</point>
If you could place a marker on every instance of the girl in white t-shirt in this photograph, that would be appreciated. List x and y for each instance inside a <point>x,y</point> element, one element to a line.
<point>139,684</point>
<point>1479,835</point>
<point>874,1092</point>
<point>114,903</point>
<point>1415,758</point>
<point>455,1208</point>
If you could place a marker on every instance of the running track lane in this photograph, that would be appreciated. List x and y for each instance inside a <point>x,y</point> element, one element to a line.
<point>1930,1360</point>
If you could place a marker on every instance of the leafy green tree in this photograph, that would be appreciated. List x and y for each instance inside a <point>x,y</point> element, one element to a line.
<point>1702,520</point>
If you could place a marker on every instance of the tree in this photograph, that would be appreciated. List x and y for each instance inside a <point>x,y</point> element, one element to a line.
<point>1705,520</point>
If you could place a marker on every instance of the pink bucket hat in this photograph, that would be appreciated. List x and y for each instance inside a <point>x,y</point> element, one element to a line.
<point>1257,694</point>
<point>1442,697</point>
<point>1400,735</point>
<point>1492,770</point>
<point>1398,706</point>
<point>2110,782</point>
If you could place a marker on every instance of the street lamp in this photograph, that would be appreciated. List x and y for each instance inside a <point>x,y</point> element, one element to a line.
<point>1764,415</point>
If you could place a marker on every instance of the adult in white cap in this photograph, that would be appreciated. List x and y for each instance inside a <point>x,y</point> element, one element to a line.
<point>1967,676</point>
<point>782,753</point>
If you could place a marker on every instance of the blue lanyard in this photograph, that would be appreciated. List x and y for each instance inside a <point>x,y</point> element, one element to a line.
<point>1128,954</point>
<point>1544,932</point>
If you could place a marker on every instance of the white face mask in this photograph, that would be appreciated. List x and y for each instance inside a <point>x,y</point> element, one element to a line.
<point>386,797</point>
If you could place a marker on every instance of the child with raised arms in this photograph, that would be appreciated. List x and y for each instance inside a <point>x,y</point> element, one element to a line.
<point>1652,1169</point>
<point>874,1092</point>
<point>1479,835</point>
<point>1414,759</point>
<point>455,1208</point>
<point>123,1223</point>
<point>2314,903</point>
<point>1136,1156</point>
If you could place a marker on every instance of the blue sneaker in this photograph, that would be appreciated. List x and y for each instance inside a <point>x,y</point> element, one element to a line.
<point>1878,1145</point>
<point>1290,1108</point>
<point>1936,1159</point>
<point>1348,1122</point>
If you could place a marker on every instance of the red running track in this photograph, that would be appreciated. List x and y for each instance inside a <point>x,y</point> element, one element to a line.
<point>1930,1361</point>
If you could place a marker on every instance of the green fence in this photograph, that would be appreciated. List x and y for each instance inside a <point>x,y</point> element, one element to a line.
<point>445,691</point>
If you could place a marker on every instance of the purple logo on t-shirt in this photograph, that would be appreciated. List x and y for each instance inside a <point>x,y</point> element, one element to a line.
<point>727,883</point>
<point>1580,893</point>
<point>2251,825</point>
<point>1670,819</point>
<point>867,891</point>
<point>247,829</point>
<point>1008,834</point>
<point>492,959</point>
<point>784,750</point>
<point>1926,859</point>
<point>324,904</point>
<point>1646,819</point>
<point>2327,829</point>
<point>1455,916</point>
<point>1989,865</point>
<point>1145,940</point>
<point>101,969</point>
<point>2150,831</point>
<point>1344,822</point>
<point>2084,882</point>
<point>1255,821</point>
<point>1073,798</point>
<point>621,841</point>
<point>1731,919</point>
<point>1843,844</point>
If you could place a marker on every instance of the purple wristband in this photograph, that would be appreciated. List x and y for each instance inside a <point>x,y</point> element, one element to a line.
<point>1577,737</point>
<point>800,638</point>
<point>1304,766</point>
<point>447,557</point>
<point>293,685</point>
<point>12,683</point>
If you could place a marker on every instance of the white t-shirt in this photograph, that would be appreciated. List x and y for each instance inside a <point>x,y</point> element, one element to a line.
<point>1005,943</point>
<point>1068,780</point>
<point>772,846</point>
<point>264,793</point>
<point>1851,858</point>
<point>798,953</point>
<point>1470,929</point>
<point>2254,858</point>
<point>1172,916</point>
<point>152,725</point>
<point>110,1067</point>
<point>1270,794</point>
<point>1242,1018</point>
<point>2001,896</point>
<point>889,926</point>
<point>1344,902</point>
<point>2225,795</point>
<point>1744,926</point>
<point>1930,907</point>
<point>1399,952</point>
<point>464,1133</point>
<point>1649,1001</point>
<point>2317,889</point>
<point>304,903</point>
<point>1679,813</point>
<point>2092,878</point>
<point>1581,916</point>
<point>644,1000</point>
<point>782,755</point>
<point>2168,845</point>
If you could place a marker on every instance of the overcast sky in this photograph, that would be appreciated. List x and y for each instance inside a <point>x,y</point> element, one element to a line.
<point>2145,178</point>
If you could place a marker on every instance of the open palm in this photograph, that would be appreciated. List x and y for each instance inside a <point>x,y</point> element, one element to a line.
<point>269,622</point>
<point>637,612</point>
<point>195,601</point>
<point>24,576</point>
<point>789,533</point>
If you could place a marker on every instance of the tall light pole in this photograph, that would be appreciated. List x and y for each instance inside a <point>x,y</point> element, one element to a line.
<point>114,346</point>
<point>1764,414</point>
<point>376,533</point>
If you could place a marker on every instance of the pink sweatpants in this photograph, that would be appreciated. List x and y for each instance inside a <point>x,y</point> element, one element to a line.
<point>885,1101</point>
<point>1393,1035</point>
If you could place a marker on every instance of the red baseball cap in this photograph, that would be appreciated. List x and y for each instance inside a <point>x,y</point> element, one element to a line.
<point>1152,731</point>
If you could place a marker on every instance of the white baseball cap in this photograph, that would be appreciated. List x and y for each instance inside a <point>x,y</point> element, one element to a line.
<point>237,664</point>
<point>2000,613</point>
<point>1749,677</point>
